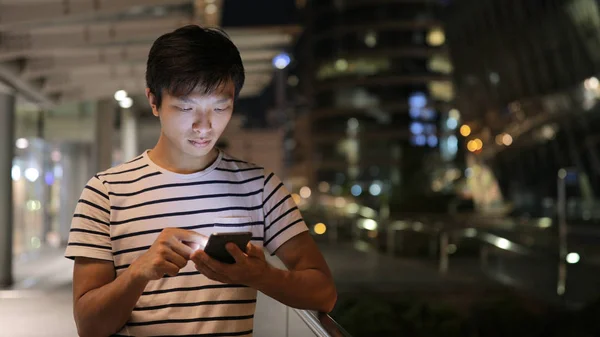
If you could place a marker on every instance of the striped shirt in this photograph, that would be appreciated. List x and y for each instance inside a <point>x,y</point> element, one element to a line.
<point>123,210</point>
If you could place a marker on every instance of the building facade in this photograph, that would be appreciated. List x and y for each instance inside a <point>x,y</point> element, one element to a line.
<point>380,95</point>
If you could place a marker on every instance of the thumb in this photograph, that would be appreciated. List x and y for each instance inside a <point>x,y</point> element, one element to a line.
<point>254,251</point>
<point>235,251</point>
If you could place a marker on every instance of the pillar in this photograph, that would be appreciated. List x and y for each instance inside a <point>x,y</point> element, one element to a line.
<point>7,144</point>
<point>129,134</point>
<point>104,128</point>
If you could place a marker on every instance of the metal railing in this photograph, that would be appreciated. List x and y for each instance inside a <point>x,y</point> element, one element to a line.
<point>321,324</point>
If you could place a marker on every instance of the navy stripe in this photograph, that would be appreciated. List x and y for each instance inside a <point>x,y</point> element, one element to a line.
<point>211,286</point>
<point>185,273</point>
<point>195,183</point>
<point>88,245</point>
<point>126,171</point>
<point>214,334</point>
<point>194,304</point>
<point>153,231</point>
<point>239,170</point>
<point>122,267</point>
<point>281,231</point>
<point>201,211</point>
<point>135,159</point>
<point>97,192</point>
<point>195,197</point>
<point>131,250</point>
<point>230,160</point>
<point>278,204</point>
<point>83,201</point>
<point>269,178</point>
<point>192,320</point>
<point>134,180</point>
<point>281,216</point>
<point>90,218</point>
<point>274,191</point>
<point>79,230</point>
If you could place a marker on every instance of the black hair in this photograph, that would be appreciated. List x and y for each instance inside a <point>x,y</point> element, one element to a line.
<point>193,58</point>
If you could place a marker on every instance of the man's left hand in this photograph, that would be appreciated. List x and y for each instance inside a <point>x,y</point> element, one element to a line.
<point>248,268</point>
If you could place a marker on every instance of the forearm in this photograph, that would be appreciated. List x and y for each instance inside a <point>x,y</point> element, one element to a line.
<point>307,289</point>
<point>102,312</point>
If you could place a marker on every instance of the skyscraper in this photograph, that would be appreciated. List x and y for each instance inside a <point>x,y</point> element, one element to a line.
<point>380,94</point>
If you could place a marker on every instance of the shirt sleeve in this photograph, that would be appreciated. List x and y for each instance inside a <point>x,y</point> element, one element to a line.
<point>90,228</point>
<point>283,220</point>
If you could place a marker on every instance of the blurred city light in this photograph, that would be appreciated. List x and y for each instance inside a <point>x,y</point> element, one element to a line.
<point>375,189</point>
<point>356,190</point>
<point>470,232</point>
<point>452,123</point>
<point>340,202</point>
<point>371,39</point>
<point>436,37</point>
<point>32,174</point>
<point>15,173</point>
<point>353,124</point>
<point>573,258</point>
<point>281,61</point>
<point>22,143</point>
<point>126,103</point>
<point>368,224</point>
<point>320,228</point>
<point>507,139</point>
<point>305,192</point>
<point>297,199</point>
<point>323,187</point>
<point>502,243</point>
<point>352,208</point>
<point>55,156</point>
<point>120,95</point>
<point>432,141</point>
<point>592,83</point>
<point>341,65</point>
<point>465,130</point>
<point>455,114</point>
<point>211,9</point>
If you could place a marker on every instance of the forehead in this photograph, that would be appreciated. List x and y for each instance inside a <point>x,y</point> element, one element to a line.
<point>224,91</point>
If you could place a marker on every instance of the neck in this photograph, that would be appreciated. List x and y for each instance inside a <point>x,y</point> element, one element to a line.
<point>169,157</point>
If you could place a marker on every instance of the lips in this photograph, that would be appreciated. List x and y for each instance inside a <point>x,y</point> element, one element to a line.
<point>199,142</point>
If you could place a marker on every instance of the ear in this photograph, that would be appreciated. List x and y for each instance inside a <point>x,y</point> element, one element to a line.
<point>152,100</point>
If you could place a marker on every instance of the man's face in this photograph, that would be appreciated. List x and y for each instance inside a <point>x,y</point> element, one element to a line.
<point>193,124</point>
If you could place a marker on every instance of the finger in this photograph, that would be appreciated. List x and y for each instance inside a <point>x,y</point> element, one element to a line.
<point>254,251</point>
<point>214,265</point>
<point>209,273</point>
<point>181,248</point>
<point>170,269</point>
<point>190,236</point>
<point>236,252</point>
<point>176,259</point>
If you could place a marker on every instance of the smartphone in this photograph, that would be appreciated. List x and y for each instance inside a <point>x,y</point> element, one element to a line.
<point>215,247</point>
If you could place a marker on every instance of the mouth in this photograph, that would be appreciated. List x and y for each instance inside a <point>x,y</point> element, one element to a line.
<point>199,142</point>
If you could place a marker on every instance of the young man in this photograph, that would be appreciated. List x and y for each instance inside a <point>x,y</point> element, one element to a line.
<point>137,228</point>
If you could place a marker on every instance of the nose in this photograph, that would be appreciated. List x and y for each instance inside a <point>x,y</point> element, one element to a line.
<point>202,124</point>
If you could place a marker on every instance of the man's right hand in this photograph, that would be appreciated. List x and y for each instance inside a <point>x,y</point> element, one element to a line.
<point>167,255</point>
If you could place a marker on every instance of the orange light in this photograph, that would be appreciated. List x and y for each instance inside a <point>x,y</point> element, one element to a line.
<point>465,130</point>
<point>472,146</point>
<point>478,143</point>
<point>320,228</point>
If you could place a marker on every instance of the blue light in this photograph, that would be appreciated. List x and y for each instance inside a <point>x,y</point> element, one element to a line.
<point>49,178</point>
<point>414,112</point>
<point>356,190</point>
<point>432,141</point>
<point>428,114</point>
<point>417,100</point>
<point>452,123</point>
<point>452,144</point>
<point>416,128</point>
<point>281,61</point>
<point>430,129</point>
<point>419,140</point>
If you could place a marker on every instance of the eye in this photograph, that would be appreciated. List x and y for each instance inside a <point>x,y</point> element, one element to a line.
<point>186,109</point>
<point>221,109</point>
